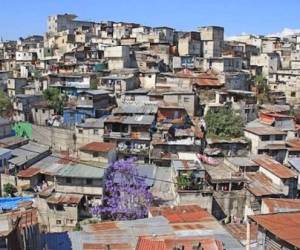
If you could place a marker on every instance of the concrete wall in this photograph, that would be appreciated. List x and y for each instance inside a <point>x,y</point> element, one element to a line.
<point>56,220</point>
<point>57,138</point>
<point>79,186</point>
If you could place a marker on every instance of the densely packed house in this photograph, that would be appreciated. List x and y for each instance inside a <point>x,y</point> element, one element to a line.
<point>212,125</point>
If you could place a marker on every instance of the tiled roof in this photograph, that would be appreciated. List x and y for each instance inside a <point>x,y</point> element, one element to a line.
<point>103,147</point>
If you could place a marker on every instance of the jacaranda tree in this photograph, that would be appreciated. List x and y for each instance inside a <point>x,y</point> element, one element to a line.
<point>126,195</point>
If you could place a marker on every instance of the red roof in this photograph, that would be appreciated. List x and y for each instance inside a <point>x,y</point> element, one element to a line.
<point>64,198</point>
<point>279,205</point>
<point>103,147</point>
<point>274,167</point>
<point>29,172</point>
<point>169,243</point>
<point>181,214</point>
<point>239,231</point>
<point>285,226</point>
<point>27,217</point>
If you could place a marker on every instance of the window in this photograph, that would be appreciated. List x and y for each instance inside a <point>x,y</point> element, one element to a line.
<point>58,222</point>
<point>265,138</point>
<point>80,131</point>
<point>69,221</point>
<point>36,110</point>
<point>96,131</point>
<point>43,111</point>
<point>186,99</point>
<point>59,207</point>
<point>149,76</point>
<point>68,180</point>
<point>278,137</point>
<point>89,181</point>
<point>95,154</point>
<point>293,94</point>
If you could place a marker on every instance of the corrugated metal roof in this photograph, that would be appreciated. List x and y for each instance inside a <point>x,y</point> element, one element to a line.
<point>274,167</point>
<point>29,172</point>
<point>103,147</point>
<point>59,198</point>
<point>281,205</point>
<point>295,163</point>
<point>261,185</point>
<point>81,171</point>
<point>285,226</point>
<point>4,151</point>
<point>167,243</point>
<point>265,131</point>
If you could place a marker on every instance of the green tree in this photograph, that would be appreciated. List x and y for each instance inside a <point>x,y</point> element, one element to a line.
<point>223,123</point>
<point>9,189</point>
<point>94,83</point>
<point>263,90</point>
<point>6,107</point>
<point>55,99</point>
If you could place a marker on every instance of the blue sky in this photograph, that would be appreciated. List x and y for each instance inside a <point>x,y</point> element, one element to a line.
<point>22,18</point>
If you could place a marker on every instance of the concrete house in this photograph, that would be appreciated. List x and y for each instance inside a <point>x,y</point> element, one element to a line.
<point>189,44</point>
<point>59,212</point>
<point>22,106</point>
<point>269,62</point>
<point>212,38</point>
<point>5,155</point>
<point>80,179</point>
<point>119,83</point>
<point>267,140</point>
<point>270,235</point>
<point>15,86</point>
<point>89,104</point>
<point>118,57</point>
<point>41,113</point>
<point>282,176</point>
<point>5,127</point>
<point>92,129</point>
<point>103,152</point>
<point>64,22</point>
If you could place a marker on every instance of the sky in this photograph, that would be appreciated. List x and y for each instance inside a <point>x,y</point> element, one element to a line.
<point>19,18</point>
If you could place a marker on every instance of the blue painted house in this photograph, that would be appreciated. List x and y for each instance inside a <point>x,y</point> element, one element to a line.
<point>90,104</point>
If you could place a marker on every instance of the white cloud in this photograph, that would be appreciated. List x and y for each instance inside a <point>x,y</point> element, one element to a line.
<point>285,32</point>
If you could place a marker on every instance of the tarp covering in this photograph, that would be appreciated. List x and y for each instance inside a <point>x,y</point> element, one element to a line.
<point>12,203</point>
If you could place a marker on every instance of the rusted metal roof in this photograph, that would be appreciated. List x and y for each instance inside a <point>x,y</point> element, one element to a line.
<point>265,131</point>
<point>274,167</point>
<point>27,218</point>
<point>281,205</point>
<point>181,214</point>
<point>58,198</point>
<point>166,243</point>
<point>285,226</point>
<point>114,246</point>
<point>29,172</point>
<point>102,147</point>
<point>294,143</point>
<point>260,185</point>
<point>239,231</point>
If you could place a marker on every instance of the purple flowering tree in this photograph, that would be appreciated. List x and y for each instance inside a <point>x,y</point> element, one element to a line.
<point>126,195</point>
